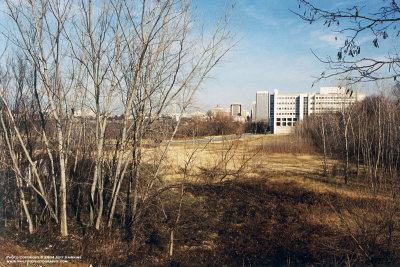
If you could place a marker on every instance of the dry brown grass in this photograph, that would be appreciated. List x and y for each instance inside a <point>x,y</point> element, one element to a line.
<point>10,249</point>
<point>261,152</point>
<point>280,207</point>
<point>280,158</point>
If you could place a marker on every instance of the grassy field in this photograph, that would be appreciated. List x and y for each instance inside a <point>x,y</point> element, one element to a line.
<point>278,157</point>
<point>261,200</point>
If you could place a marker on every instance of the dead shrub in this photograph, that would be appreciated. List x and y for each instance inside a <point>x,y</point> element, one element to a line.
<point>286,144</point>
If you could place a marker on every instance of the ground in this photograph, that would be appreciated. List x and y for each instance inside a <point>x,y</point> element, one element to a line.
<point>257,200</point>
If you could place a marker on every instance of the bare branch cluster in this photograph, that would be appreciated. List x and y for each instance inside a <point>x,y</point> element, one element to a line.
<point>77,63</point>
<point>356,22</point>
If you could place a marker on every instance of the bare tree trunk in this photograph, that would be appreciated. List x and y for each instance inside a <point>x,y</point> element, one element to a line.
<point>324,145</point>
<point>40,191</point>
<point>379,148</point>
<point>18,175</point>
<point>144,58</point>
<point>358,144</point>
<point>346,119</point>
<point>346,166</point>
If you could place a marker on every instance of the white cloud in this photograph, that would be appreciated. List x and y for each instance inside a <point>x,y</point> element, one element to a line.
<point>365,39</point>
<point>257,14</point>
<point>331,40</point>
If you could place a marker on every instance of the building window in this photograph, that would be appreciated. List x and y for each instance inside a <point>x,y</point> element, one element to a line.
<point>278,124</point>
<point>283,123</point>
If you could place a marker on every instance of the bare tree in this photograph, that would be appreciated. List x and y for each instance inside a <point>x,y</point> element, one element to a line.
<point>18,174</point>
<point>169,66</point>
<point>39,28</point>
<point>129,57</point>
<point>323,134</point>
<point>356,21</point>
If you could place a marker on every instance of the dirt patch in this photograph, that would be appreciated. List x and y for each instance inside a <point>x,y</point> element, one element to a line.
<point>12,254</point>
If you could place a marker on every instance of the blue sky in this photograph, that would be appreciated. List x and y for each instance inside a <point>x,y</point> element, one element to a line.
<point>274,51</point>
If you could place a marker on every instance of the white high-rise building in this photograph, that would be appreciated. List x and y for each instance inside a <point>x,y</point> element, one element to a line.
<point>262,106</point>
<point>173,109</point>
<point>253,111</point>
<point>287,109</point>
<point>236,109</point>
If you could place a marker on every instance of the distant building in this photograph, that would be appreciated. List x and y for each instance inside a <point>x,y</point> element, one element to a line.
<point>245,114</point>
<point>84,114</point>
<point>195,115</point>
<point>332,90</point>
<point>285,110</point>
<point>236,109</point>
<point>239,119</point>
<point>235,112</point>
<point>175,115</point>
<point>262,106</point>
<point>253,111</point>
<point>173,109</point>
<point>225,112</point>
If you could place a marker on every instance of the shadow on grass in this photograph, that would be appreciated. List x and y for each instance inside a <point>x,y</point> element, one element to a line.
<point>247,222</point>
